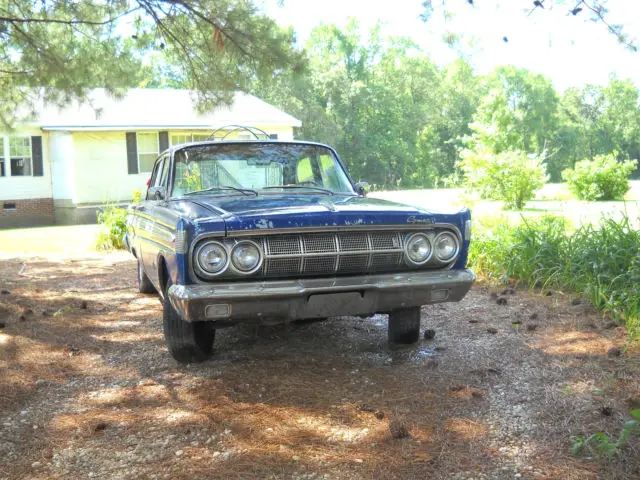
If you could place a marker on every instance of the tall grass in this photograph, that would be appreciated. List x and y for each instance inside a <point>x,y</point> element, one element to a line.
<point>602,261</point>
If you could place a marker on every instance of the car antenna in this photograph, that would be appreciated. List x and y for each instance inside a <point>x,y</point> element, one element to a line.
<point>223,132</point>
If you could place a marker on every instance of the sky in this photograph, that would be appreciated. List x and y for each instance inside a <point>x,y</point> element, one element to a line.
<point>571,51</point>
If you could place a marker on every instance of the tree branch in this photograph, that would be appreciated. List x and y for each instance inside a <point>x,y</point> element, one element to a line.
<point>612,29</point>
<point>214,24</point>
<point>15,20</point>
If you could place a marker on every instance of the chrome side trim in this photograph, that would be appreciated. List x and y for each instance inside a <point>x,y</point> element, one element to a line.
<point>153,219</point>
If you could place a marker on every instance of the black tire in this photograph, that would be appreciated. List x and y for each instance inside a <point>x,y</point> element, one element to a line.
<point>188,342</point>
<point>144,284</point>
<point>404,325</point>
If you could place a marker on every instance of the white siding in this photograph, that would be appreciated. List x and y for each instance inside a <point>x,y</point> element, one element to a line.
<point>22,188</point>
<point>284,133</point>
<point>101,168</point>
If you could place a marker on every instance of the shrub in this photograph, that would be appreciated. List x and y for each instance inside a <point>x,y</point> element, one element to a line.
<point>601,262</point>
<point>112,222</point>
<point>512,177</point>
<point>603,178</point>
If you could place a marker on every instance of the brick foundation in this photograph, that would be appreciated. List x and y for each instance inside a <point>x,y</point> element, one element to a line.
<point>27,213</point>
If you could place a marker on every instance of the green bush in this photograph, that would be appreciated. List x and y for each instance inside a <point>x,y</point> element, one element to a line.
<point>601,262</point>
<point>603,178</point>
<point>113,226</point>
<point>512,177</point>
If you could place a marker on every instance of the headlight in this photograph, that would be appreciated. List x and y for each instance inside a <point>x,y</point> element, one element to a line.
<point>418,248</point>
<point>246,256</point>
<point>446,246</point>
<point>211,258</point>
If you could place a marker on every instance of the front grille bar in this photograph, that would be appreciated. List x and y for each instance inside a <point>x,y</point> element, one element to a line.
<point>341,252</point>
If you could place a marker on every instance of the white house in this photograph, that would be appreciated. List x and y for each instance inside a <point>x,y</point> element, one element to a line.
<point>59,167</point>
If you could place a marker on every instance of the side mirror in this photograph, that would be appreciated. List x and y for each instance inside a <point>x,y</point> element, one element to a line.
<point>160,193</point>
<point>361,188</point>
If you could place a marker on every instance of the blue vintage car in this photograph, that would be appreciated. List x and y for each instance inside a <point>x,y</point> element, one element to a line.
<point>275,231</point>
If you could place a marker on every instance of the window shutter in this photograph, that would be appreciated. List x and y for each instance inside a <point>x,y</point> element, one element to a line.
<point>132,153</point>
<point>164,140</point>
<point>36,156</point>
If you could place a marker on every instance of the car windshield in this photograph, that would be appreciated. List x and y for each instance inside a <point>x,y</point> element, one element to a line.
<point>241,168</point>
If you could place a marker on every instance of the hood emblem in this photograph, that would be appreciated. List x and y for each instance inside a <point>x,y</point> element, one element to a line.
<point>413,219</point>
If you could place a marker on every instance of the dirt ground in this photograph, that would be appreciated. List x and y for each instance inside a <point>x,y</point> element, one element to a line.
<point>88,389</point>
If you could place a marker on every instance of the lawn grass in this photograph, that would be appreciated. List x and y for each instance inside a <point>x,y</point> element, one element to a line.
<point>46,241</point>
<point>553,199</point>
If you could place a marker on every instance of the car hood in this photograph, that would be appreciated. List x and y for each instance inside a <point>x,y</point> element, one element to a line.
<point>284,211</point>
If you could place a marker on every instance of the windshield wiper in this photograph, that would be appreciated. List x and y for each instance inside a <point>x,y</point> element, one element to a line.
<point>244,191</point>
<point>308,187</point>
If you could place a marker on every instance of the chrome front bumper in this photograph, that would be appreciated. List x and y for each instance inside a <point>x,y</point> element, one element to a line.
<point>317,297</point>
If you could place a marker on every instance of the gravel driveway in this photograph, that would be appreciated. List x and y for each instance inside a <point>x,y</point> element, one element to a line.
<point>88,390</point>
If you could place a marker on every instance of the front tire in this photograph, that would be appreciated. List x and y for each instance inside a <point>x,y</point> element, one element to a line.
<point>144,284</point>
<point>404,325</point>
<point>188,342</point>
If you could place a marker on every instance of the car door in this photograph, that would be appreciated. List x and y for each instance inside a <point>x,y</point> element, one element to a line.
<point>148,231</point>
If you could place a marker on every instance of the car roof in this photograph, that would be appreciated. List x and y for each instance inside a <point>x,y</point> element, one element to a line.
<point>252,141</point>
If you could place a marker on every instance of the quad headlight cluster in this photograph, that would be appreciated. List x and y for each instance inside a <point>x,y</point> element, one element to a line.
<point>213,258</point>
<point>421,247</point>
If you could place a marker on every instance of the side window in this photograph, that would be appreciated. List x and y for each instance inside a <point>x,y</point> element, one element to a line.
<point>154,176</point>
<point>304,171</point>
<point>158,173</point>
<point>165,172</point>
<point>330,177</point>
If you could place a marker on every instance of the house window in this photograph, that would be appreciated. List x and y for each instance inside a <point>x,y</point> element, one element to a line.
<point>148,150</point>
<point>180,138</point>
<point>20,156</point>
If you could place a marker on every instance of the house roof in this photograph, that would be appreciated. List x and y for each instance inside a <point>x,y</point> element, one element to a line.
<point>151,108</point>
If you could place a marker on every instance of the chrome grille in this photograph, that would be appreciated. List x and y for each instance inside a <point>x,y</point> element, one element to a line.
<point>350,242</point>
<point>381,261</point>
<point>331,253</point>
<point>282,266</point>
<point>319,243</point>
<point>353,263</point>
<point>322,264</point>
<point>381,241</point>
<point>283,245</point>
